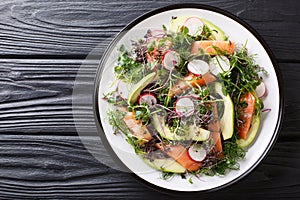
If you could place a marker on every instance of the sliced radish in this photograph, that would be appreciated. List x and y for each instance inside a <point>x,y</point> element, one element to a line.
<point>147,98</point>
<point>198,67</point>
<point>195,25</point>
<point>123,89</point>
<point>261,90</point>
<point>184,106</point>
<point>171,59</point>
<point>158,33</point>
<point>219,64</point>
<point>197,153</point>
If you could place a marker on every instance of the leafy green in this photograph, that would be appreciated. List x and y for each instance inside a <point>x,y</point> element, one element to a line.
<point>243,77</point>
<point>181,43</point>
<point>115,118</point>
<point>113,99</point>
<point>206,34</point>
<point>232,153</point>
<point>217,165</point>
<point>141,112</point>
<point>167,175</point>
<point>128,69</point>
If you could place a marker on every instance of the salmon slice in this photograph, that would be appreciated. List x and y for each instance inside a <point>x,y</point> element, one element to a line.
<point>217,142</point>
<point>215,128</point>
<point>210,46</point>
<point>191,80</point>
<point>246,114</point>
<point>180,154</point>
<point>137,128</point>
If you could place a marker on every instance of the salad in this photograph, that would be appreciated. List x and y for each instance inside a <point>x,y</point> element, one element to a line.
<point>187,98</point>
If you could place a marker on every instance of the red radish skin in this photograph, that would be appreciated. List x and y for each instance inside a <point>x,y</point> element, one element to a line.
<point>198,67</point>
<point>184,106</point>
<point>195,25</point>
<point>147,98</point>
<point>261,90</point>
<point>196,153</point>
<point>170,59</point>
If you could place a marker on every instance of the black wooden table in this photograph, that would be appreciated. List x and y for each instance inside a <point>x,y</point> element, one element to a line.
<point>43,45</point>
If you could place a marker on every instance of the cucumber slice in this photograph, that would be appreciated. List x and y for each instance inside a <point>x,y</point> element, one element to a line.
<point>252,132</point>
<point>227,120</point>
<point>136,90</point>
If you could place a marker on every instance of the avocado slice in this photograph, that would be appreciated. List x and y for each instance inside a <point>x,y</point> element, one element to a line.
<point>227,119</point>
<point>165,165</point>
<point>193,133</point>
<point>252,132</point>
<point>217,33</point>
<point>135,92</point>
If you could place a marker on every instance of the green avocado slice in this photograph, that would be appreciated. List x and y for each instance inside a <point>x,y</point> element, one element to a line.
<point>217,33</point>
<point>165,165</point>
<point>193,133</point>
<point>252,132</point>
<point>135,92</point>
<point>227,119</point>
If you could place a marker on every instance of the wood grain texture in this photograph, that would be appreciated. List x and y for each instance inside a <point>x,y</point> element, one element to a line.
<point>36,95</point>
<point>73,28</point>
<point>60,167</point>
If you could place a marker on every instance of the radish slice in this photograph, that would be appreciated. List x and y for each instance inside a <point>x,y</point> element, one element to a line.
<point>123,89</point>
<point>184,106</point>
<point>148,98</point>
<point>261,90</point>
<point>198,67</point>
<point>219,64</point>
<point>195,25</point>
<point>158,33</point>
<point>170,60</point>
<point>197,153</point>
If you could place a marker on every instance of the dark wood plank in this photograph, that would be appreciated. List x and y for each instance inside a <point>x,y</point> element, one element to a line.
<point>60,167</point>
<point>73,28</point>
<point>36,96</point>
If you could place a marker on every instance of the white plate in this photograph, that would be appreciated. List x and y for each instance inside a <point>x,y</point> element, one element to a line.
<point>239,32</point>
